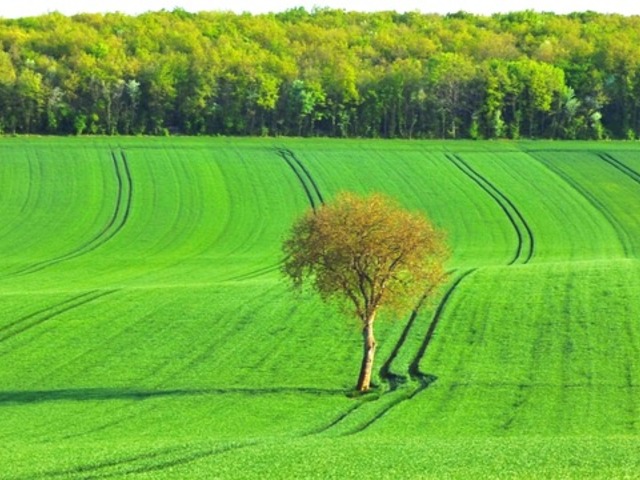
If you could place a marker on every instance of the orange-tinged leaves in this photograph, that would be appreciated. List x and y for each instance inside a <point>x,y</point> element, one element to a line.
<point>366,250</point>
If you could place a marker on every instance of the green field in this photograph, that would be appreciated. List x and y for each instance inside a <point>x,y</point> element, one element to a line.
<point>146,332</point>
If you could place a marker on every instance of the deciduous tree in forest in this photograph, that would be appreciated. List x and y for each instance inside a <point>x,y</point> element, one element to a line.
<point>368,253</point>
<point>323,73</point>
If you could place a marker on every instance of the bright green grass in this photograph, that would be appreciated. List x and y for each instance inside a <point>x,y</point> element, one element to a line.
<point>145,331</point>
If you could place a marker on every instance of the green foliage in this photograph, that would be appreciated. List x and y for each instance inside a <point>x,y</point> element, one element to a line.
<point>145,330</point>
<point>369,254</point>
<point>366,251</point>
<point>323,73</point>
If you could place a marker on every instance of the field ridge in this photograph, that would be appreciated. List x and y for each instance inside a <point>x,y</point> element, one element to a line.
<point>115,224</point>
<point>526,242</point>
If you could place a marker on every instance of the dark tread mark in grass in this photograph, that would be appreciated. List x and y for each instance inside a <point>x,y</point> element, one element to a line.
<point>304,177</point>
<point>393,379</point>
<point>521,399</point>
<point>122,466</point>
<point>308,175</point>
<point>526,241</point>
<point>524,253</point>
<point>623,236</point>
<point>45,310</point>
<point>423,380</point>
<point>92,468</point>
<point>614,162</point>
<point>414,368</point>
<point>336,421</point>
<point>397,401</point>
<point>37,318</point>
<point>254,273</point>
<point>175,462</point>
<point>104,426</point>
<point>117,221</point>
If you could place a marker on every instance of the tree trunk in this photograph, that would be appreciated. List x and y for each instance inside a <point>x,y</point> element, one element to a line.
<point>364,381</point>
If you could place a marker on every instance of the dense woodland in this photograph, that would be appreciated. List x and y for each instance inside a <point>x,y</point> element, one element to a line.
<point>325,73</point>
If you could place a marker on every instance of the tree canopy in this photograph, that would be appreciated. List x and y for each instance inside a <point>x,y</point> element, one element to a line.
<point>368,253</point>
<point>325,72</point>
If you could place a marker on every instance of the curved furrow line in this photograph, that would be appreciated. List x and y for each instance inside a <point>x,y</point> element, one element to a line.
<point>46,263</point>
<point>618,165</point>
<point>42,311</point>
<point>514,215</point>
<point>255,273</point>
<point>597,204</point>
<point>454,160</point>
<point>414,368</point>
<point>8,225</point>
<point>285,156</point>
<point>93,468</point>
<point>116,222</point>
<point>176,462</point>
<point>38,318</point>
<point>423,380</point>
<point>307,173</point>
<point>524,253</point>
<point>336,421</point>
<point>394,403</point>
<point>125,199</point>
<point>393,379</point>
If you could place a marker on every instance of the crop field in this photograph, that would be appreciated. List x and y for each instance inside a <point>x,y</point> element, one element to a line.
<point>146,331</point>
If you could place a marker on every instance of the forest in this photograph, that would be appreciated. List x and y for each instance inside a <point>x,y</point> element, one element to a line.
<point>323,72</point>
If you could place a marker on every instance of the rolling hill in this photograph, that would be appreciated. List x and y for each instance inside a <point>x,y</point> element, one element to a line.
<point>146,332</point>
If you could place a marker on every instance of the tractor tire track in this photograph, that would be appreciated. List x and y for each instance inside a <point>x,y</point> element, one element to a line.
<point>89,469</point>
<point>422,379</point>
<point>8,226</point>
<point>313,194</point>
<point>524,252</point>
<point>526,241</point>
<point>622,234</point>
<point>176,462</point>
<point>414,368</point>
<point>336,420</point>
<point>304,177</point>
<point>618,165</point>
<point>41,316</point>
<point>173,457</point>
<point>393,379</point>
<point>41,312</point>
<point>308,175</point>
<point>115,224</point>
<point>255,273</point>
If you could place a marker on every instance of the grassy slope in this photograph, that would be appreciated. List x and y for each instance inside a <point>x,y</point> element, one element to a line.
<point>144,329</point>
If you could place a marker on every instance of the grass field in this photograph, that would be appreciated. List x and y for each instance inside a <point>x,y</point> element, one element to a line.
<point>145,330</point>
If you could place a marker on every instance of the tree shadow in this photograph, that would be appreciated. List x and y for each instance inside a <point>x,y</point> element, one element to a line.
<point>102,394</point>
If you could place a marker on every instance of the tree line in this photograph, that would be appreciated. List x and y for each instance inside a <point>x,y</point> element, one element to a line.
<point>323,72</point>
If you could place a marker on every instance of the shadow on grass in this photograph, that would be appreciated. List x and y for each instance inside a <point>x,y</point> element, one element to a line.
<point>100,394</point>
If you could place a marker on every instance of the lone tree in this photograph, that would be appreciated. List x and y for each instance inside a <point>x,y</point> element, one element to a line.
<point>369,253</point>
